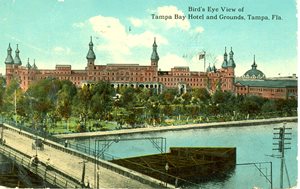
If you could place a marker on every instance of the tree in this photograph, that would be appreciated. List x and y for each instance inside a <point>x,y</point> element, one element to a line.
<point>142,96</point>
<point>187,97</point>
<point>269,106</point>
<point>128,97</point>
<point>286,105</point>
<point>223,102</point>
<point>42,97</point>
<point>251,104</point>
<point>2,94</point>
<point>82,103</point>
<point>153,108</point>
<point>202,94</point>
<point>167,96</point>
<point>101,101</point>
<point>167,110</point>
<point>64,100</point>
<point>9,97</point>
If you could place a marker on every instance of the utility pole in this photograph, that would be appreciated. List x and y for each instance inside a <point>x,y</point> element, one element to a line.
<point>281,135</point>
<point>15,106</point>
<point>83,174</point>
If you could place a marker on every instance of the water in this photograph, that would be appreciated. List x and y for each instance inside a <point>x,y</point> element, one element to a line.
<point>253,143</point>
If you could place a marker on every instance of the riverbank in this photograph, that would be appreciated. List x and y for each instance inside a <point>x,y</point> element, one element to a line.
<point>178,127</point>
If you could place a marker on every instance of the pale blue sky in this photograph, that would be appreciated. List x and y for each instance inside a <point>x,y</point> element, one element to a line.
<point>58,31</point>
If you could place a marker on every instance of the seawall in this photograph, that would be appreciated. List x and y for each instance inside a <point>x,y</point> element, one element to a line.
<point>179,127</point>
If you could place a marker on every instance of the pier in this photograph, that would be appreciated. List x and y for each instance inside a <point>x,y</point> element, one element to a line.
<point>184,165</point>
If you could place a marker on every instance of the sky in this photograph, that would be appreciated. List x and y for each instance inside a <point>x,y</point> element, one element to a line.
<point>58,32</point>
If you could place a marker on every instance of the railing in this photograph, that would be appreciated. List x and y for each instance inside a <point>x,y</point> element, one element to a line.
<point>82,148</point>
<point>74,150</point>
<point>48,173</point>
<point>166,180</point>
<point>47,136</point>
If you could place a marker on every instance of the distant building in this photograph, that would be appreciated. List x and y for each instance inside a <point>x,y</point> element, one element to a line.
<point>119,75</point>
<point>254,73</point>
<point>135,75</point>
<point>254,82</point>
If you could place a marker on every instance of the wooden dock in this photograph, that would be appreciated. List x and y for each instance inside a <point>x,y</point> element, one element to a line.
<point>184,165</point>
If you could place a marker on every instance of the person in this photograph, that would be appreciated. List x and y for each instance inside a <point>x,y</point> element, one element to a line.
<point>48,162</point>
<point>88,184</point>
<point>66,143</point>
<point>34,160</point>
<point>4,141</point>
<point>31,160</point>
<point>48,165</point>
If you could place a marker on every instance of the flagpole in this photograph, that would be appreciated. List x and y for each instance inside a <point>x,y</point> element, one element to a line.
<point>204,61</point>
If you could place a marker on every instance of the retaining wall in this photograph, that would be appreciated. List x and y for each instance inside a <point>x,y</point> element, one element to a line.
<point>181,127</point>
<point>111,166</point>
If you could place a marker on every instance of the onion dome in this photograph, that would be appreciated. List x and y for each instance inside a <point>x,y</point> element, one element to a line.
<point>209,69</point>
<point>214,69</point>
<point>91,55</point>
<point>28,64</point>
<point>154,55</point>
<point>9,59</point>
<point>17,59</point>
<point>231,61</point>
<point>225,62</point>
<point>34,66</point>
<point>254,73</point>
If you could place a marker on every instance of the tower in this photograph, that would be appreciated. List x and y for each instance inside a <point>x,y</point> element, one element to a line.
<point>17,60</point>
<point>154,55</point>
<point>230,72</point>
<point>254,65</point>
<point>9,65</point>
<point>9,59</point>
<point>231,62</point>
<point>225,62</point>
<point>90,55</point>
<point>34,65</point>
<point>28,66</point>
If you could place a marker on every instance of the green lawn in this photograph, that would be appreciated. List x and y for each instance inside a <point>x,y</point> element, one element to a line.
<point>72,126</point>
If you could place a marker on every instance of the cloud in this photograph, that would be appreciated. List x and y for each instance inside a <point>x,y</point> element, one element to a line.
<point>61,1</point>
<point>220,59</point>
<point>61,50</point>
<point>172,23</point>
<point>136,22</point>
<point>199,29</point>
<point>108,27</point>
<point>26,44</point>
<point>78,25</point>
<point>48,64</point>
<point>117,41</point>
<point>171,60</point>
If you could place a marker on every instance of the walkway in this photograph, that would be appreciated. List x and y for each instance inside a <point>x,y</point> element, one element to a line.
<point>179,127</point>
<point>70,164</point>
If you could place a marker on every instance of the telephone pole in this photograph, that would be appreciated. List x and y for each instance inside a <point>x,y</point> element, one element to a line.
<point>281,136</point>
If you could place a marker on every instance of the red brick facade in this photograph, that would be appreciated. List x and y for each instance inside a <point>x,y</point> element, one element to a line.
<point>270,88</point>
<point>132,75</point>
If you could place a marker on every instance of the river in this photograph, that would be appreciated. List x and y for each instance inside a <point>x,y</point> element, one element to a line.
<point>253,143</point>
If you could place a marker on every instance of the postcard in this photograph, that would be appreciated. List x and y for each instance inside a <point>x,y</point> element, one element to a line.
<point>147,94</point>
